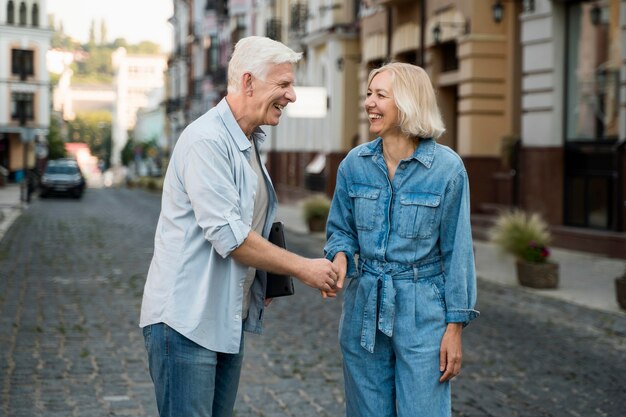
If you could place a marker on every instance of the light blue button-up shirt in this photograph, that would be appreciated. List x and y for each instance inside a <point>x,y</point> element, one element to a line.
<point>193,285</point>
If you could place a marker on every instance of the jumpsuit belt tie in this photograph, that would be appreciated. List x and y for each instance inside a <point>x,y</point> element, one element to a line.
<point>380,314</point>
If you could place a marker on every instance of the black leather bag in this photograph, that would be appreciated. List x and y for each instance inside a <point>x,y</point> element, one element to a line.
<point>278,285</point>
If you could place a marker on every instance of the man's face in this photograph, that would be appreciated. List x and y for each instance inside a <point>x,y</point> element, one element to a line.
<point>274,93</point>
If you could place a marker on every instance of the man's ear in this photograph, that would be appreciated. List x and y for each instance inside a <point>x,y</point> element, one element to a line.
<point>247,83</point>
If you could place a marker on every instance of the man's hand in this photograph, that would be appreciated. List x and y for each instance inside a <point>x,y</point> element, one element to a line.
<point>318,273</point>
<point>341,262</point>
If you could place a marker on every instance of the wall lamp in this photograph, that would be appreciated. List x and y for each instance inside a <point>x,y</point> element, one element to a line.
<point>497,10</point>
<point>437,29</point>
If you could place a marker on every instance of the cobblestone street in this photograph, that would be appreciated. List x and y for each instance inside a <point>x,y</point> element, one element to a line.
<point>71,279</point>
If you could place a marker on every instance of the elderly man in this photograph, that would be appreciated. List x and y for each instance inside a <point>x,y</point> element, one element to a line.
<point>218,204</point>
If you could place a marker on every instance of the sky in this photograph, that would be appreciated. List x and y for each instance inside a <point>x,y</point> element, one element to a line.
<point>134,20</point>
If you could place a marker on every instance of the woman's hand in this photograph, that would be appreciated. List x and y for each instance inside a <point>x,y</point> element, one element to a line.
<point>341,262</point>
<point>450,352</point>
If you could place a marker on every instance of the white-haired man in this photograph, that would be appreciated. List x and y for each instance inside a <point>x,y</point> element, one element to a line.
<point>218,205</point>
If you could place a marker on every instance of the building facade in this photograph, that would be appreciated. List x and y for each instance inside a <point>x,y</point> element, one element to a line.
<point>137,76</point>
<point>532,93</point>
<point>24,86</point>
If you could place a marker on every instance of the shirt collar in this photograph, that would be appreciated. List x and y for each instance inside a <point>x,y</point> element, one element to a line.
<point>425,152</point>
<point>234,129</point>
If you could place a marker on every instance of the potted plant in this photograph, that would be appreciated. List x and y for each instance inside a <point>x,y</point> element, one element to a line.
<point>620,289</point>
<point>315,210</point>
<point>526,237</point>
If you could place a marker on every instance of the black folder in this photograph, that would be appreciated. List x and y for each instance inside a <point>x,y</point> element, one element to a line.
<point>278,285</point>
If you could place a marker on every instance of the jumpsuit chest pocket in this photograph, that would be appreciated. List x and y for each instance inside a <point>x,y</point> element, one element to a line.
<point>365,199</point>
<point>418,212</point>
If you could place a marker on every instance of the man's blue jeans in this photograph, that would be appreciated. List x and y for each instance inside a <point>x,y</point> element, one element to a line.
<point>190,380</point>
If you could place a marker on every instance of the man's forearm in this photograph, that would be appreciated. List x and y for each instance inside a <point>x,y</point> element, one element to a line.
<point>258,253</point>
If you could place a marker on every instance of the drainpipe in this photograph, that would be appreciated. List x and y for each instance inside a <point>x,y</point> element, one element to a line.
<point>422,43</point>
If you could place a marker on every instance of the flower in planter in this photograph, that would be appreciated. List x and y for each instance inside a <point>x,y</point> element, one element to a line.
<point>536,253</point>
<point>523,235</point>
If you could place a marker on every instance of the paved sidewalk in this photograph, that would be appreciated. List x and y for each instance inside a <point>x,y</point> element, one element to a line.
<point>10,206</point>
<point>584,279</point>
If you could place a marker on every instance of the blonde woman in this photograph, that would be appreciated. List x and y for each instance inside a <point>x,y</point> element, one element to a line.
<point>402,205</point>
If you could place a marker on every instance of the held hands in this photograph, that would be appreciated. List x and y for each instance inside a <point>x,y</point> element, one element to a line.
<point>341,263</point>
<point>319,273</point>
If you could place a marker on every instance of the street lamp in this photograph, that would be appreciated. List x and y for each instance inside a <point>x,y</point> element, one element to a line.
<point>497,10</point>
<point>437,29</point>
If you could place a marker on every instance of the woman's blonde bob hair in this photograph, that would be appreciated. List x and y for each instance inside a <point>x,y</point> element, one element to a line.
<point>414,96</point>
<point>256,55</point>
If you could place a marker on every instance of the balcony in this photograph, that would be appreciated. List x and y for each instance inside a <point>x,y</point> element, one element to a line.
<point>299,16</point>
<point>273,29</point>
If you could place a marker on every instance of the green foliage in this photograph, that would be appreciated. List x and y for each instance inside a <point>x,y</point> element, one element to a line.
<point>523,235</point>
<point>316,206</point>
<point>94,129</point>
<point>128,151</point>
<point>144,47</point>
<point>56,144</point>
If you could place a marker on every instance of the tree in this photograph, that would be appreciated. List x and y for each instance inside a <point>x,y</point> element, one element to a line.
<point>103,32</point>
<point>94,129</point>
<point>56,145</point>
<point>92,34</point>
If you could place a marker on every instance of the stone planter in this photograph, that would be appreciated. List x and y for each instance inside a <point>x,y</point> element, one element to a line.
<point>317,224</point>
<point>620,291</point>
<point>538,275</point>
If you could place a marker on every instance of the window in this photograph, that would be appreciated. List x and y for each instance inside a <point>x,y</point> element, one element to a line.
<point>22,107</point>
<point>10,12</point>
<point>592,165</point>
<point>35,15</point>
<point>449,59</point>
<point>22,63</point>
<point>592,74</point>
<point>22,14</point>
<point>212,56</point>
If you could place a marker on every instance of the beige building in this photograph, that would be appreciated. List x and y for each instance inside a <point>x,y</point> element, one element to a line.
<point>531,91</point>
<point>24,85</point>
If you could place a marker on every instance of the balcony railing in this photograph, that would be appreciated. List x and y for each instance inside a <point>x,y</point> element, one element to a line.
<point>273,29</point>
<point>299,15</point>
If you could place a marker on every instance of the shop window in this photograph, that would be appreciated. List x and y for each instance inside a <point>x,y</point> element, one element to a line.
<point>22,63</point>
<point>592,110</point>
<point>22,107</point>
<point>11,12</point>
<point>592,73</point>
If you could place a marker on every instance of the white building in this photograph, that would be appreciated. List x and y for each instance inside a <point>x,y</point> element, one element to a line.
<point>24,84</point>
<point>135,77</point>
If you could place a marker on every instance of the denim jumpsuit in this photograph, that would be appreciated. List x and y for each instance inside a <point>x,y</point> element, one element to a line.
<point>415,273</point>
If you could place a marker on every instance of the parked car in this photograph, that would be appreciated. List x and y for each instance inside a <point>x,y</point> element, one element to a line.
<point>62,177</point>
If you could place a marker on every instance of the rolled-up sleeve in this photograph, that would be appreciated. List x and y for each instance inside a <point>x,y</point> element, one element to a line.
<point>457,252</point>
<point>340,227</point>
<point>210,184</point>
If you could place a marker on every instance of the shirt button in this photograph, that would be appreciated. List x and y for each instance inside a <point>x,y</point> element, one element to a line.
<point>402,166</point>
<point>237,317</point>
<point>241,284</point>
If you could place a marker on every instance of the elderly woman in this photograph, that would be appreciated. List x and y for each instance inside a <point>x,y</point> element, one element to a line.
<point>402,205</point>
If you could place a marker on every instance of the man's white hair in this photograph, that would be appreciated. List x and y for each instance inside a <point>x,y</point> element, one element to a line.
<point>255,54</point>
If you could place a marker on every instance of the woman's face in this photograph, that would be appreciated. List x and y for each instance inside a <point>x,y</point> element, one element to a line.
<point>380,106</point>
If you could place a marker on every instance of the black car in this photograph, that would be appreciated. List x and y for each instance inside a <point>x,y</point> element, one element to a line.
<point>62,176</point>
